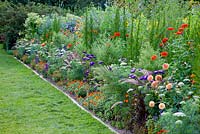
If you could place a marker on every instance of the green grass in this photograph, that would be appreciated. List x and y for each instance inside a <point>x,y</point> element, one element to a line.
<point>29,105</point>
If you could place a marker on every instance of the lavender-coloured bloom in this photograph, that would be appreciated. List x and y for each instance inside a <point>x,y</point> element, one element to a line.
<point>36,60</point>
<point>132,76</point>
<point>92,63</point>
<point>144,77</point>
<point>85,58</point>
<point>87,73</point>
<point>100,62</point>
<point>46,67</point>
<point>159,72</point>
<point>133,70</point>
<point>110,68</point>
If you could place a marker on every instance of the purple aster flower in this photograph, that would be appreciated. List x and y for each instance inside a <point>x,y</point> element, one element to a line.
<point>132,76</point>
<point>144,77</point>
<point>46,67</point>
<point>133,70</point>
<point>92,63</point>
<point>36,59</point>
<point>100,62</point>
<point>159,72</point>
<point>85,58</point>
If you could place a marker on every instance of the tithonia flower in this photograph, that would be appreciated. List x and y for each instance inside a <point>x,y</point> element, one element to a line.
<point>170,28</point>
<point>154,84</point>
<point>43,44</point>
<point>69,45</point>
<point>169,86</point>
<point>117,34</point>
<point>164,54</point>
<point>178,33</point>
<point>161,44</point>
<point>158,78</point>
<point>161,106</point>
<point>165,66</point>
<point>184,25</point>
<point>151,104</point>
<point>164,40</point>
<point>181,29</point>
<point>153,57</point>
<point>150,78</point>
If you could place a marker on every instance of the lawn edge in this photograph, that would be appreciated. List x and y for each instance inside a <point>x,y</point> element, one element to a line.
<point>72,99</point>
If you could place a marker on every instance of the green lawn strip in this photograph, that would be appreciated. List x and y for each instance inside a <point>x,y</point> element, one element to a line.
<point>29,105</point>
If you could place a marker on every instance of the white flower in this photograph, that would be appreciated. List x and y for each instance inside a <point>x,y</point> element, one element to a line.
<point>165,113</point>
<point>179,114</point>
<point>161,95</point>
<point>182,102</point>
<point>161,87</point>
<point>117,103</point>
<point>129,90</point>
<point>190,93</point>
<point>179,122</point>
<point>123,64</point>
<point>186,80</point>
<point>180,84</point>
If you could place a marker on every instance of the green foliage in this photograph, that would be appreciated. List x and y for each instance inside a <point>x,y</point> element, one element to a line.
<point>76,72</point>
<point>188,124</point>
<point>145,60</point>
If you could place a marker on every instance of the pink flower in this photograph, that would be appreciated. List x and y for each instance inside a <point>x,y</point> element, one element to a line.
<point>158,78</point>
<point>150,78</point>
<point>161,106</point>
<point>151,104</point>
<point>165,66</point>
<point>169,86</point>
<point>154,84</point>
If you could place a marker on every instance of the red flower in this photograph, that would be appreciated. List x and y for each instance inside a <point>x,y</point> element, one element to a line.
<point>154,57</point>
<point>184,25</point>
<point>164,54</point>
<point>117,34</point>
<point>127,35</point>
<point>161,44</point>
<point>181,29</point>
<point>178,33</point>
<point>170,28</point>
<point>69,45</point>
<point>43,44</point>
<point>164,40</point>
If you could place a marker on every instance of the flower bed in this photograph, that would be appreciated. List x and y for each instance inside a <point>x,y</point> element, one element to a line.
<point>139,81</point>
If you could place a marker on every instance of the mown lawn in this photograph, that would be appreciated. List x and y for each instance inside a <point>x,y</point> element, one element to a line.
<point>29,105</point>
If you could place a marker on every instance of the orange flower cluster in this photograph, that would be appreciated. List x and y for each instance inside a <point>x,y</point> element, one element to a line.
<point>162,131</point>
<point>181,29</point>
<point>80,83</point>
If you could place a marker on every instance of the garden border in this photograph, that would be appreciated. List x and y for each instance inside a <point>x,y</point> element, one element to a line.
<point>72,99</point>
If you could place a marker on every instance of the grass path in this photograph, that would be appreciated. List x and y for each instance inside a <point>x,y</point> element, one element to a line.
<point>29,105</point>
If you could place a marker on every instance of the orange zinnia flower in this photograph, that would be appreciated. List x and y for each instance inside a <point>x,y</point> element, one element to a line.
<point>69,45</point>
<point>154,57</point>
<point>180,29</point>
<point>164,54</point>
<point>178,33</point>
<point>164,40</point>
<point>117,34</point>
<point>43,44</point>
<point>184,25</point>
<point>170,28</point>
<point>126,101</point>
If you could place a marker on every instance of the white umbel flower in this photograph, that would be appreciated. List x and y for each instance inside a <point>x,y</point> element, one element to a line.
<point>179,114</point>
